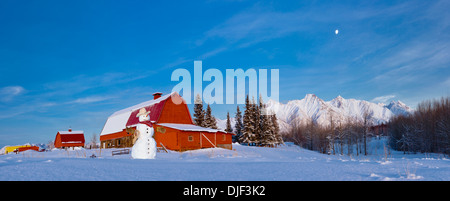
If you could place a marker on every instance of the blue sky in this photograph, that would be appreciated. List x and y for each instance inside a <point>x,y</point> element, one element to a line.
<point>73,63</point>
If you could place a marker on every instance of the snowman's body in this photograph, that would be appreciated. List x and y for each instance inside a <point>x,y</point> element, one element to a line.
<point>145,145</point>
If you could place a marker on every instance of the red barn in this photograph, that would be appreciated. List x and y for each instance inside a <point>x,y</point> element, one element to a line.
<point>69,138</point>
<point>172,123</point>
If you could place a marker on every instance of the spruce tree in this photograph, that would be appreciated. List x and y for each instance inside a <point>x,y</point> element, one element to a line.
<point>248,122</point>
<point>276,130</point>
<point>266,134</point>
<point>270,137</point>
<point>228,129</point>
<point>257,123</point>
<point>238,127</point>
<point>199,113</point>
<point>210,120</point>
<point>213,123</point>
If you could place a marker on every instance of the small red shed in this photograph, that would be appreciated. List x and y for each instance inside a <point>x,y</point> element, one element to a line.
<point>20,149</point>
<point>69,138</point>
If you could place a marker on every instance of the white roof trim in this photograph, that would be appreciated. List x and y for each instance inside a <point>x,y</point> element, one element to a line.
<point>72,132</point>
<point>188,127</point>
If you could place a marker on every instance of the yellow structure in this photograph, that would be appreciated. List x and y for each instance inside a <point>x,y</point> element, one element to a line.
<point>10,149</point>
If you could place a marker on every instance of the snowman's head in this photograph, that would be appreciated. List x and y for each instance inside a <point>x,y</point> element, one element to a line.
<point>143,115</point>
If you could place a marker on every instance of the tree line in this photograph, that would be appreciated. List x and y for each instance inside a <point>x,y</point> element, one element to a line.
<point>350,137</point>
<point>426,130</point>
<point>256,127</point>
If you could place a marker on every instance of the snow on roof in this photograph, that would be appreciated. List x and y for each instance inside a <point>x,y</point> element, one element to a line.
<point>141,105</point>
<point>118,120</point>
<point>68,132</point>
<point>116,123</point>
<point>188,127</point>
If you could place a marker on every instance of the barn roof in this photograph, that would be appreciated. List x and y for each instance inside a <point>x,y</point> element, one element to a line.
<point>127,117</point>
<point>143,104</point>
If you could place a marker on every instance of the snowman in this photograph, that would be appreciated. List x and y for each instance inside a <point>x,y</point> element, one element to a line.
<point>145,145</point>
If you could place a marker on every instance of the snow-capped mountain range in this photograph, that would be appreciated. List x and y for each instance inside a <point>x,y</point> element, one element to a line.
<point>339,109</point>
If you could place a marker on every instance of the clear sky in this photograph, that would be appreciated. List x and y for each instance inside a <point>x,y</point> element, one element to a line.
<point>74,63</point>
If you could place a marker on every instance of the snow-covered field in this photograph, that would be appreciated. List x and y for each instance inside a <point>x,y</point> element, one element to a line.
<point>284,163</point>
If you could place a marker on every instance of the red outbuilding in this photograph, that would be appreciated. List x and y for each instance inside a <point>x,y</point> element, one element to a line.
<point>20,149</point>
<point>171,121</point>
<point>69,138</point>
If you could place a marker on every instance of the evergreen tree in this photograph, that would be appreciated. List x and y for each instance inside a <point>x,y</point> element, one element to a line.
<point>266,130</point>
<point>270,136</point>
<point>199,113</point>
<point>276,130</point>
<point>210,121</point>
<point>238,127</point>
<point>213,123</point>
<point>256,115</point>
<point>248,122</point>
<point>228,129</point>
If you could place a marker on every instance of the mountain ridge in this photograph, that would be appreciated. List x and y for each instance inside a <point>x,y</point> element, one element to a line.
<point>339,109</point>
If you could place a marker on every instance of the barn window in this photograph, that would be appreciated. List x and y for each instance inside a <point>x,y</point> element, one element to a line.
<point>224,137</point>
<point>190,138</point>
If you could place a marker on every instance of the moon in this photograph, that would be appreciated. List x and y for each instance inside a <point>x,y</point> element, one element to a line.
<point>336,32</point>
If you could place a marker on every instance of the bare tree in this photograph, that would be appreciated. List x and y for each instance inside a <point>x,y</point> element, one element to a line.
<point>309,134</point>
<point>340,136</point>
<point>50,145</point>
<point>93,143</point>
<point>331,136</point>
<point>366,125</point>
<point>296,133</point>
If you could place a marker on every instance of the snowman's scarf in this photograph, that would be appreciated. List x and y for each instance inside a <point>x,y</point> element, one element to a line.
<point>148,123</point>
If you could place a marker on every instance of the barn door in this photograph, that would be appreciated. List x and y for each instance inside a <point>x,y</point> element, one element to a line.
<point>207,142</point>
